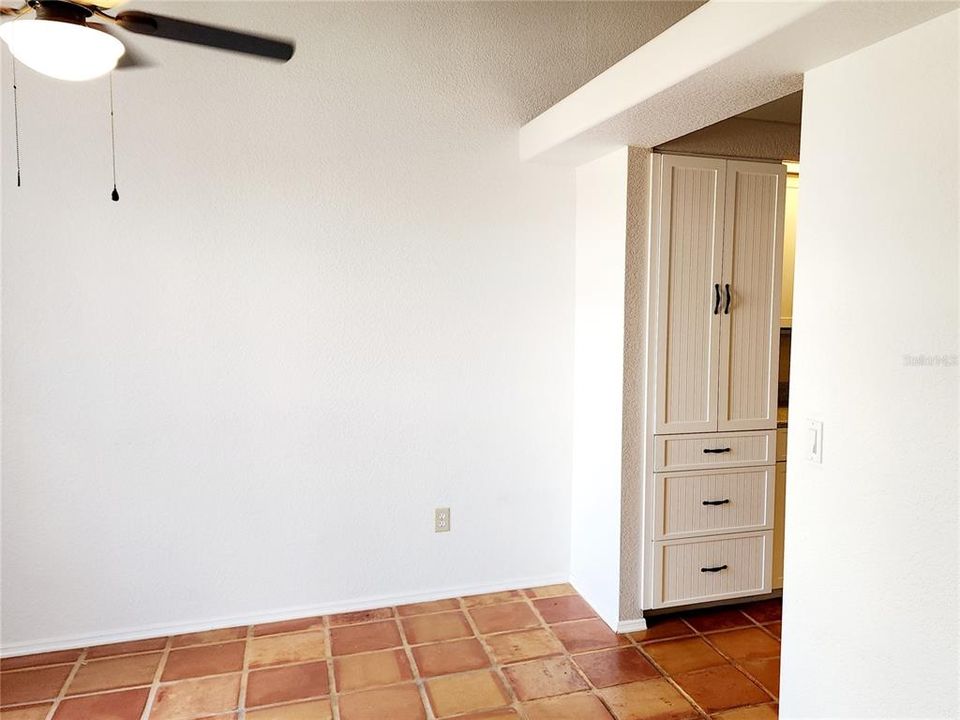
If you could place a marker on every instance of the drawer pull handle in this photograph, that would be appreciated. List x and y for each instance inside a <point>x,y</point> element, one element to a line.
<point>714,569</point>
<point>716,502</point>
<point>716,450</point>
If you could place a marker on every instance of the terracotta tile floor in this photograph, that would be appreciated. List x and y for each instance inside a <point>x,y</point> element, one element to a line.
<point>539,654</point>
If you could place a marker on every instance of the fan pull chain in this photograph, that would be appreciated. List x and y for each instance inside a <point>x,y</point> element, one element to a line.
<point>113,145</point>
<point>16,118</point>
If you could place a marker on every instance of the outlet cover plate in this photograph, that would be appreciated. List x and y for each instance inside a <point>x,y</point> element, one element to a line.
<point>441,520</point>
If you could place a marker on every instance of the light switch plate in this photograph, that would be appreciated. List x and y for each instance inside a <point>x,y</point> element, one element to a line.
<point>815,441</point>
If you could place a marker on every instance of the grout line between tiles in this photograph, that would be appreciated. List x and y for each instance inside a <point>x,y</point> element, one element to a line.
<point>78,663</point>
<point>414,670</point>
<point>155,685</point>
<point>334,695</point>
<point>491,656</point>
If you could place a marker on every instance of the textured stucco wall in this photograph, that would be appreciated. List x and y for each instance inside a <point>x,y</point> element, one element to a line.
<point>870,626</point>
<point>634,381</point>
<point>330,299</point>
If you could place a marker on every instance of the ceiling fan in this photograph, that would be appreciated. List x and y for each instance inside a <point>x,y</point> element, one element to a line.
<point>74,40</point>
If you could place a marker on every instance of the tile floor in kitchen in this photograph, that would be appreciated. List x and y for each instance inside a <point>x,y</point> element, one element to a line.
<point>539,654</point>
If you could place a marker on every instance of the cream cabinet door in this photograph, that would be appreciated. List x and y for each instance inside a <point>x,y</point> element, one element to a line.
<point>750,316</point>
<point>691,207</point>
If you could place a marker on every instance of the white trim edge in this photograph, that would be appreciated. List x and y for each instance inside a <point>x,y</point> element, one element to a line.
<point>29,647</point>
<point>629,626</point>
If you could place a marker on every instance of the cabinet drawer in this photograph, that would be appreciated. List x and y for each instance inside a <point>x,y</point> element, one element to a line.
<point>698,452</point>
<point>682,568</point>
<point>781,444</point>
<point>707,502</point>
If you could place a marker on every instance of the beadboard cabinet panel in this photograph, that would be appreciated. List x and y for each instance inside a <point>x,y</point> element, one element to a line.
<point>750,325</point>
<point>706,569</point>
<point>709,502</point>
<point>691,252</point>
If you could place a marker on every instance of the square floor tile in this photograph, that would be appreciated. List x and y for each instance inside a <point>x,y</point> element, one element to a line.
<point>428,607</point>
<point>281,649</point>
<point>359,672</point>
<point>562,609</point>
<point>114,673</point>
<point>683,655</point>
<point>450,657</point>
<point>717,619</point>
<point>50,658</point>
<point>542,678</point>
<point>125,648</point>
<point>188,699</point>
<point>757,712</point>
<point>523,645</point>
<point>26,712</point>
<point>208,637</point>
<point>492,598</point>
<point>353,618</point>
<point>661,629</point>
<point>397,702</point>
<point>350,639</point>
<point>745,644</point>
<point>123,705</point>
<point>26,686</point>
<point>288,626</point>
<point>583,635</point>
<point>287,683</point>
<point>653,699</point>
<point>433,628</point>
<point>548,591</point>
<point>312,710</point>
<point>765,611</point>
<point>204,660</point>
<point>503,617</point>
<point>466,692</point>
<point>615,667</point>
<point>773,628</point>
<point>766,671</point>
<point>579,706</point>
<point>720,688</point>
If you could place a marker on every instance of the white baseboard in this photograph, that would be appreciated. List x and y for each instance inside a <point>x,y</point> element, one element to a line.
<point>29,647</point>
<point>629,626</point>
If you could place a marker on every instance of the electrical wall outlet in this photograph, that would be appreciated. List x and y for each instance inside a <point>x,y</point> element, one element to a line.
<point>441,520</point>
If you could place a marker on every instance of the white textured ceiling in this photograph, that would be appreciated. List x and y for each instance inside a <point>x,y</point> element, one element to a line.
<point>534,52</point>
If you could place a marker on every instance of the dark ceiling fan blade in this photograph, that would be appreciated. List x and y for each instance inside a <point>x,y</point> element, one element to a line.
<point>190,32</point>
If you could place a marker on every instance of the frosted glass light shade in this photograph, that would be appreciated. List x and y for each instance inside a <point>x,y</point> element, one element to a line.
<point>62,50</point>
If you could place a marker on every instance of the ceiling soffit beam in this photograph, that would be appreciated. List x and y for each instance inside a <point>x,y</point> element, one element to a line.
<point>724,58</point>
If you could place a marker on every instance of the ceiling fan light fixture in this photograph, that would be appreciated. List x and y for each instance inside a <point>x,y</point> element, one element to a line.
<point>62,50</point>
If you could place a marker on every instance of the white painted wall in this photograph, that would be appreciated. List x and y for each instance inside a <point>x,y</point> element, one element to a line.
<point>330,299</point>
<point>870,598</point>
<point>601,238</point>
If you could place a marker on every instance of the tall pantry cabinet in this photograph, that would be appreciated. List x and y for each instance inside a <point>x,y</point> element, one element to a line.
<point>713,344</point>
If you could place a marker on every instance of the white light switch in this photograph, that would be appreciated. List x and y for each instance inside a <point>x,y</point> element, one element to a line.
<point>815,441</point>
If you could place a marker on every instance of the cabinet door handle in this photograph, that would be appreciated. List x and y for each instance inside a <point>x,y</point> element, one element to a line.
<point>716,451</point>
<point>726,308</point>
<point>716,502</point>
<point>718,568</point>
<point>716,298</point>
